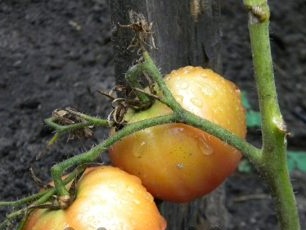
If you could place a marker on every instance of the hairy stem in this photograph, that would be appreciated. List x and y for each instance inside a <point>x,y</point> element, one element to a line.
<point>87,157</point>
<point>89,121</point>
<point>273,165</point>
<point>182,116</point>
<point>248,150</point>
<point>152,70</point>
<point>36,199</point>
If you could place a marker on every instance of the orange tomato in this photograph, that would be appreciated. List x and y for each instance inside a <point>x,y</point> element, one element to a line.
<point>177,162</point>
<point>107,198</point>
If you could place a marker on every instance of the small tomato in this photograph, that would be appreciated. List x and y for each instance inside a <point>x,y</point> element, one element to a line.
<point>107,198</point>
<point>177,162</point>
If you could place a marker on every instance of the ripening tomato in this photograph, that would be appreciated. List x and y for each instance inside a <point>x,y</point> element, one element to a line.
<point>107,198</point>
<point>177,162</point>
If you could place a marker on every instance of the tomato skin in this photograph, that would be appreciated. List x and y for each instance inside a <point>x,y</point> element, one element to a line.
<point>45,219</point>
<point>107,197</point>
<point>177,162</point>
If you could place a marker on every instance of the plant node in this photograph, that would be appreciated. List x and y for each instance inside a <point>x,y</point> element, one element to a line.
<point>258,13</point>
<point>64,201</point>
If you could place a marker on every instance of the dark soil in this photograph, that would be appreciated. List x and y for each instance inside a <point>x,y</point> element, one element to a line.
<point>58,53</point>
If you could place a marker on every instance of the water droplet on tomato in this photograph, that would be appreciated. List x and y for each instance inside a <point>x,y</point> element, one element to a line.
<point>177,130</point>
<point>205,147</point>
<point>183,85</point>
<point>203,76</point>
<point>137,154</point>
<point>137,202</point>
<point>197,102</point>
<point>130,190</point>
<point>208,91</point>
<point>180,165</point>
<point>140,150</point>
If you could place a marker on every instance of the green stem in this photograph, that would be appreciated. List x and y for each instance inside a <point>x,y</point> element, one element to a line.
<point>64,128</point>
<point>273,165</point>
<point>248,150</point>
<point>92,121</point>
<point>39,199</point>
<point>22,201</point>
<point>277,177</point>
<point>87,157</point>
<point>272,121</point>
<point>252,153</point>
<point>132,77</point>
<point>179,115</point>
<point>182,116</point>
<point>151,69</point>
<point>89,121</point>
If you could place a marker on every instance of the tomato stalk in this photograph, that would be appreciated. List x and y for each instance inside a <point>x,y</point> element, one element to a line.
<point>181,115</point>
<point>90,156</point>
<point>273,163</point>
<point>87,121</point>
<point>184,116</point>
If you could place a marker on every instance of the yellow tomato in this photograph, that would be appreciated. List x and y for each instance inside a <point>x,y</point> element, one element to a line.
<point>107,198</point>
<point>177,162</point>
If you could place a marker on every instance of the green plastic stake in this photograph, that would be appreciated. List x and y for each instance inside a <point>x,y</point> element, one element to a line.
<point>253,118</point>
<point>296,162</point>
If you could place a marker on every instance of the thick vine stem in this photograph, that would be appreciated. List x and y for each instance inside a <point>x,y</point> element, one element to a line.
<point>273,165</point>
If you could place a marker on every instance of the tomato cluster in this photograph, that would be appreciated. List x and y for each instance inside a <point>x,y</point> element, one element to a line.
<point>174,162</point>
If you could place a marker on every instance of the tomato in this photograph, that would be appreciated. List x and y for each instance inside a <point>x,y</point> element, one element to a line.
<point>107,198</point>
<point>177,162</point>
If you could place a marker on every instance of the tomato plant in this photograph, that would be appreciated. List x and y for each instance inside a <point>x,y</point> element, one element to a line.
<point>177,162</point>
<point>170,158</point>
<point>107,198</point>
